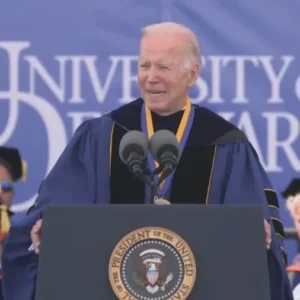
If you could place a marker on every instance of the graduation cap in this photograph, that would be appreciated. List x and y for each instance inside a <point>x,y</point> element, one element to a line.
<point>292,189</point>
<point>11,159</point>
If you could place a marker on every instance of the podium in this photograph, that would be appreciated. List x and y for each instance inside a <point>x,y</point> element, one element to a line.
<point>153,252</point>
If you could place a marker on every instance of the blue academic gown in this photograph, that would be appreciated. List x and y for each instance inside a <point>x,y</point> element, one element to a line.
<point>10,214</point>
<point>82,175</point>
<point>1,294</point>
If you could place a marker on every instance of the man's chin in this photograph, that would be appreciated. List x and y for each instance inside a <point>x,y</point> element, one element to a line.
<point>152,102</point>
<point>156,106</point>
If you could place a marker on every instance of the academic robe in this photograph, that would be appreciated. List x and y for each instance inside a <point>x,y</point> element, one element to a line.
<point>218,166</point>
<point>2,239</point>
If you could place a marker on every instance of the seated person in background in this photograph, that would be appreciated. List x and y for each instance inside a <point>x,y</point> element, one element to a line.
<point>11,170</point>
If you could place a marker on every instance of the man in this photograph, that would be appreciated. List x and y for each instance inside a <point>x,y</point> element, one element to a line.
<point>11,170</point>
<point>292,197</point>
<point>218,164</point>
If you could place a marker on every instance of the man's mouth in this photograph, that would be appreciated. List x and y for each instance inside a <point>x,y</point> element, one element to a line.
<point>155,93</point>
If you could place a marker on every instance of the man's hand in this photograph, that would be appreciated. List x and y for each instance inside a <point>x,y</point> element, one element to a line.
<point>268,234</point>
<point>36,232</point>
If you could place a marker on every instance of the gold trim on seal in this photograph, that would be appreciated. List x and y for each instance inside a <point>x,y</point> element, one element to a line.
<point>146,234</point>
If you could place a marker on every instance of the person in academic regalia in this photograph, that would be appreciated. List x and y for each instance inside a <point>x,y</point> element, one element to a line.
<point>292,197</point>
<point>11,170</point>
<point>218,165</point>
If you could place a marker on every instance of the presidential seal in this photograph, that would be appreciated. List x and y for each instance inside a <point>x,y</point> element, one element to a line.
<point>152,263</point>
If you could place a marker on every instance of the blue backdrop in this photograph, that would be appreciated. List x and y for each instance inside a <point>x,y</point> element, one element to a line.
<point>64,61</point>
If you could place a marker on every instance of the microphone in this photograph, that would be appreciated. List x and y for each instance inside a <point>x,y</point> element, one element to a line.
<point>133,152</point>
<point>165,149</point>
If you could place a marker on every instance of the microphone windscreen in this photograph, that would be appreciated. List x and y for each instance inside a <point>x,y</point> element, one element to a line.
<point>133,142</point>
<point>164,140</point>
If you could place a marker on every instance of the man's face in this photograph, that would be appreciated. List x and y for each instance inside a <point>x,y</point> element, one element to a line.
<point>163,79</point>
<point>5,180</point>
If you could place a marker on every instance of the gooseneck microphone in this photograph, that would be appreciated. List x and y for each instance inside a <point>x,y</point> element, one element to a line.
<point>165,149</point>
<point>133,152</point>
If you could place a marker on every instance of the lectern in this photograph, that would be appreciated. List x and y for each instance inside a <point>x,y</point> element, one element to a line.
<point>153,252</point>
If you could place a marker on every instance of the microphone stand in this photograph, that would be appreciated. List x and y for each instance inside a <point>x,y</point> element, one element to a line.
<point>153,187</point>
<point>148,177</point>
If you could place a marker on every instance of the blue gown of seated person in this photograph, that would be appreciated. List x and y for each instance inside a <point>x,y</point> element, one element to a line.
<point>218,166</point>
<point>10,214</point>
<point>11,159</point>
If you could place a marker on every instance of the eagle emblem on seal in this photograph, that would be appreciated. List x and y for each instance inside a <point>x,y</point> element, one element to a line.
<point>152,271</point>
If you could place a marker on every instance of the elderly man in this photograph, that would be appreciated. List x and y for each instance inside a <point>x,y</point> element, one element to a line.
<point>217,163</point>
<point>11,170</point>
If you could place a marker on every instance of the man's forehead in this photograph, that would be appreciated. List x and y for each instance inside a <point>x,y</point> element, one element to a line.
<point>161,54</point>
<point>157,59</point>
<point>163,44</point>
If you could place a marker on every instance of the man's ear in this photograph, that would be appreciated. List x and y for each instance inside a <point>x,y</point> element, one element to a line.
<point>194,73</point>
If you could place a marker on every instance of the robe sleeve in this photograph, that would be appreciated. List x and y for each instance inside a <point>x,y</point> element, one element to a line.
<point>72,180</point>
<point>248,183</point>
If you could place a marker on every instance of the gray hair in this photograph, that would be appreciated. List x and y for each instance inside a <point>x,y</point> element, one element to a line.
<point>193,54</point>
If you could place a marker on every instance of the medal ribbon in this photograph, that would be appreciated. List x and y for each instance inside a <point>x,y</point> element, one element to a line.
<point>181,135</point>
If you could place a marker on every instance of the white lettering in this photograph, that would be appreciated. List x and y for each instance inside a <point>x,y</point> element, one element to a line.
<point>297,87</point>
<point>13,50</point>
<point>127,78</point>
<point>240,62</point>
<point>36,67</point>
<point>76,97</point>
<point>215,79</point>
<point>274,79</point>
<point>245,123</point>
<point>99,89</point>
<point>86,78</point>
<point>274,141</point>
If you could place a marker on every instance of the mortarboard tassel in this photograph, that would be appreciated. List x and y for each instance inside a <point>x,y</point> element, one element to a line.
<point>24,170</point>
<point>5,222</point>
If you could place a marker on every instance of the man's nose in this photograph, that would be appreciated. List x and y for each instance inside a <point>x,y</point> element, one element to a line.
<point>152,75</point>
